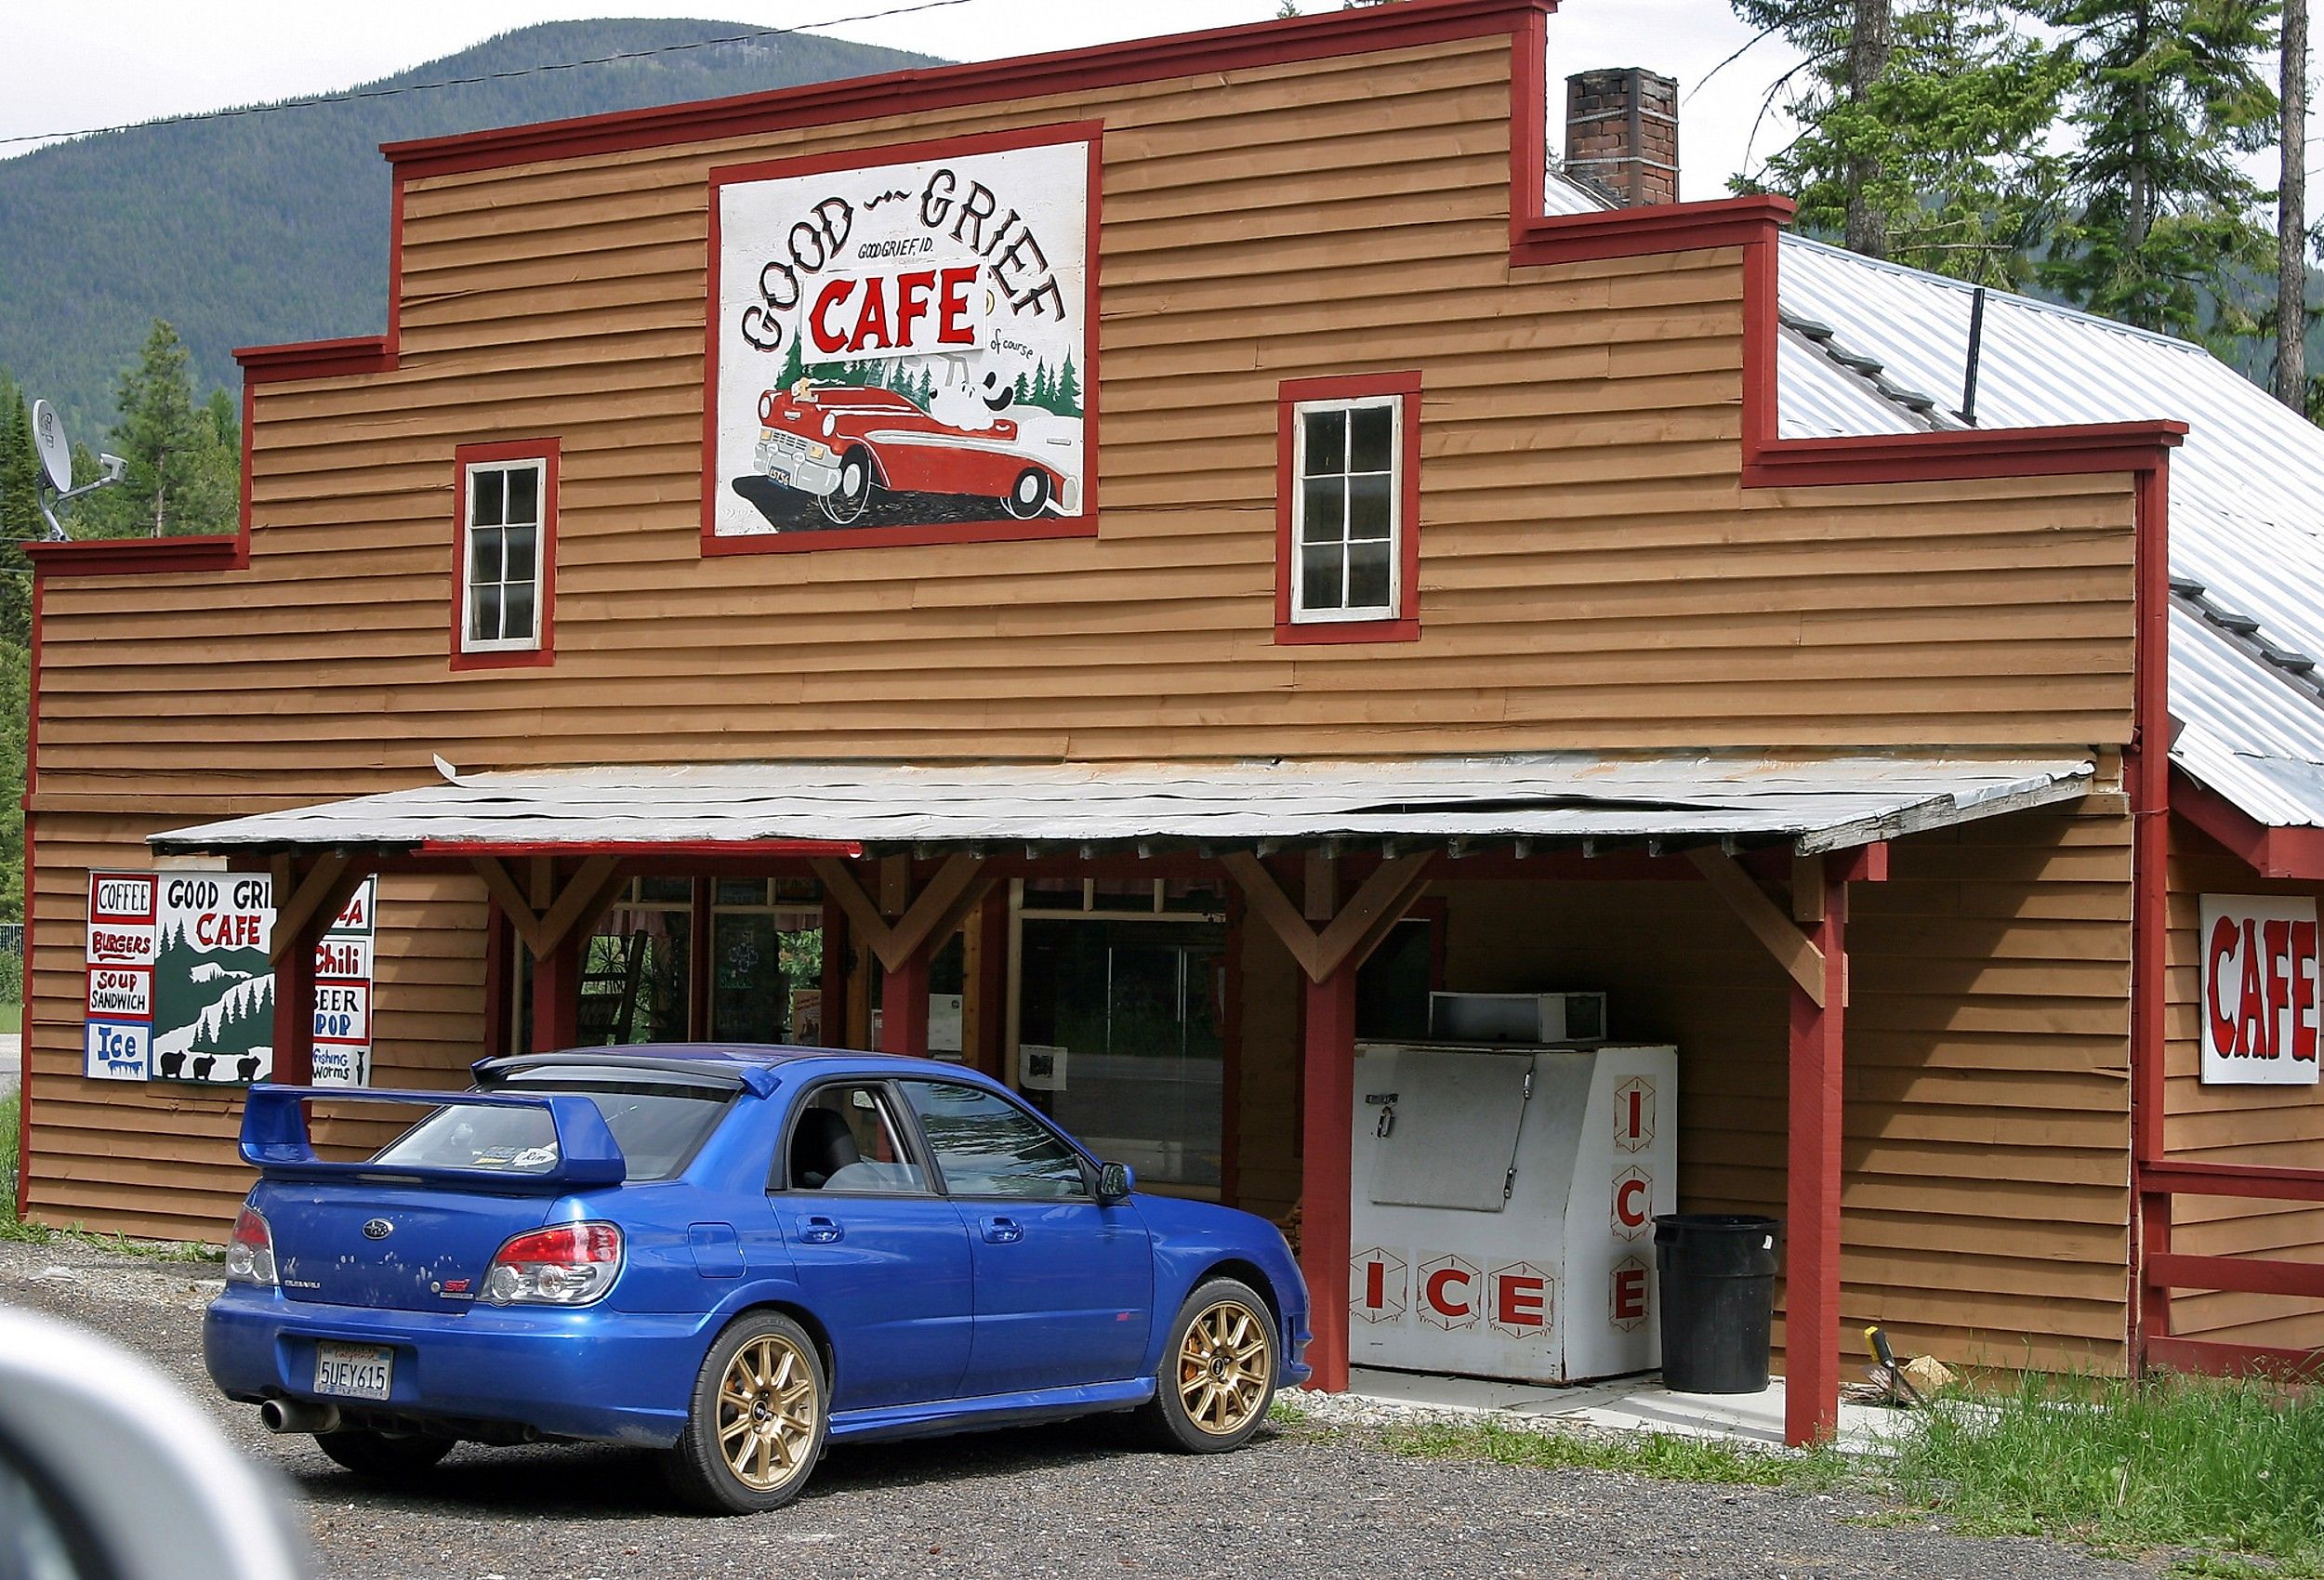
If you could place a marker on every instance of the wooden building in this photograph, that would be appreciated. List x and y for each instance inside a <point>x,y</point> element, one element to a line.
<point>1223,535</point>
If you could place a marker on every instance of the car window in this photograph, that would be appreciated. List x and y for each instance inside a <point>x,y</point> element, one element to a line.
<point>846,1138</point>
<point>986,1146</point>
<point>656,1128</point>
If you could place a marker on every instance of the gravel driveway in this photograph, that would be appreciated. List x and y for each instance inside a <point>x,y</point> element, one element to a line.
<point>1035,1502</point>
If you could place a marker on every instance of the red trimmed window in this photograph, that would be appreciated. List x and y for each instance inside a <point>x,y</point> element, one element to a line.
<point>1348,509</point>
<point>504,545</point>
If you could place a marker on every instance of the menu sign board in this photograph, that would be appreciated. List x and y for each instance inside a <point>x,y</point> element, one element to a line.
<point>181,985</point>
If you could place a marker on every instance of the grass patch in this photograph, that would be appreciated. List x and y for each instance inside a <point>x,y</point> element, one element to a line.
<point>11,1019</point>
<point>1659,1455</point>
<point>2232,1467</point>
<point>11,1110</point>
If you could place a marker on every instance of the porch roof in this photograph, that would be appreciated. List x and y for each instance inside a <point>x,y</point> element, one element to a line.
<point>849,808</point>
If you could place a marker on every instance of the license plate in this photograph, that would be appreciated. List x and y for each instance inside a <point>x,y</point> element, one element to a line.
<point>354,1371</point>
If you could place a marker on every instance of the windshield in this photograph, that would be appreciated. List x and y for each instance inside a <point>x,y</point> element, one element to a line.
<point>657,1126</point>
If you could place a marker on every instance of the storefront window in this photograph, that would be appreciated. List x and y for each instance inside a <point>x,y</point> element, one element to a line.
<point>766,966</point>
<point>1119,1038</point>
<point>636,975</point>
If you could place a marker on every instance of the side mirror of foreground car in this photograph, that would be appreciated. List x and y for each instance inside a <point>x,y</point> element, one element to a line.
<point>109,1472</point>
<point>1114,1183</point>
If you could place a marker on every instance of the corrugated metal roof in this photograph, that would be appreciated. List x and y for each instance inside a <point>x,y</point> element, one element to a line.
<point>2247,489</point>
<point>1552,796</point>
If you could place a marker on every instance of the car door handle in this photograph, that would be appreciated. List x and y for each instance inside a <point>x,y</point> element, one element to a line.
<point>1003,1231</point>
<point>821,1231</point>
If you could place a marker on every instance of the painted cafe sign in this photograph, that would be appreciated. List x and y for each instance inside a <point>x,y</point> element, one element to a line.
<point>899,345</point>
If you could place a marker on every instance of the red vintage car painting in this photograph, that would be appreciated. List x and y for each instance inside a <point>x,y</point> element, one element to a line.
<point>841,443</point>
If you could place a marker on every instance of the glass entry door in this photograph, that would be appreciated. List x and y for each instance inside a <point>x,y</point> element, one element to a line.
<point>1119,1038</point>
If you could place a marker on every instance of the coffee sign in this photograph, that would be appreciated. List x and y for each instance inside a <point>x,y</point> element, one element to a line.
<point>2261,999</point>
<point>899,345</point>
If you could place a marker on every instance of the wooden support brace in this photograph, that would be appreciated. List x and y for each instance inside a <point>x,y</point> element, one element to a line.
<point>579,903</point>
<point>1375,906</point>
<point>1792,949</point>
<point>938,908</point>
<point>332,881</point>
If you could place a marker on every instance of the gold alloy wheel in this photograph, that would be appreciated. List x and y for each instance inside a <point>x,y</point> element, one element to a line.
<point>1222,1368</point>
<point>767,1408</point>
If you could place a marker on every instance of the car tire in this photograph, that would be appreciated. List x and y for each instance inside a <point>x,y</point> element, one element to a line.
<point>847,502</point>
<point>1029,497</point>
<point>1219,1371</point>
<point>381,1457</point>
<point>756,1423</point>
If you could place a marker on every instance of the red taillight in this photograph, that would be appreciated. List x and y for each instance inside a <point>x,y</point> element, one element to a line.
<point>250,1251</point>
<point>568,1264</point>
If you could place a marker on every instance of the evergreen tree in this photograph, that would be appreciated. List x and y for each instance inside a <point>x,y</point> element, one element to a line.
<point>794,367</point>
<point>1936,158</point>
<point>185,470</point>
<point>2291,206</point>
<point>2161,218</point>
<point>1042,396</point>
<point>1066,395</point>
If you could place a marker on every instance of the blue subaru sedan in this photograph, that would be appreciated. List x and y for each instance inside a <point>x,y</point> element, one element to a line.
<point>735,1256</point>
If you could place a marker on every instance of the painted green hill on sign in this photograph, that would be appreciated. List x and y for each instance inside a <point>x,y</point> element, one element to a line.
<point>262,229</point>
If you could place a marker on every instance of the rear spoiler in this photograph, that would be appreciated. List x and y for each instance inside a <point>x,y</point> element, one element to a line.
<point>275,1140</point>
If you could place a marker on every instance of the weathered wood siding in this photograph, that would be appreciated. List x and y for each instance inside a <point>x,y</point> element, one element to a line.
<point>1988,1110</point>
<point>2282,1127</point>
<point>1592,573</point>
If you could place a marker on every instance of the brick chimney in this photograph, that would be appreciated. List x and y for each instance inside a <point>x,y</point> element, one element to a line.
<point>1622,135</point>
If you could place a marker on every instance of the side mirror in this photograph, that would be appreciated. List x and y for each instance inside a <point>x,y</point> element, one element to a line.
<point>1114,1183</point>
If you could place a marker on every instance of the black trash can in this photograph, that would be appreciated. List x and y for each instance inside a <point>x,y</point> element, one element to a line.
<point>1717,1273</point>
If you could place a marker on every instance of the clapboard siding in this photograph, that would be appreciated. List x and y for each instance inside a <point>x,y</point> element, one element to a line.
<point>1592,575</point>
<point>159,1159</point>
<point>1987,1116</point>
<point>2282,1127</point>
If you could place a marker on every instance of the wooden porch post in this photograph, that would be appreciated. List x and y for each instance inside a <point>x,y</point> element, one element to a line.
<point>557,994</point>
<point>1329,1058</point>
<point>1811,1331</point>
<point>295,1006</point>
<point>904,1005</point>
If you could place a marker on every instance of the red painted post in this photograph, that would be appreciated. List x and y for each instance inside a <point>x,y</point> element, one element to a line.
<point>1329,1059</point>
<point>294,1007</point>
<point>1811,1326</point>
<point>557,994</point>
<point>904,1007</point>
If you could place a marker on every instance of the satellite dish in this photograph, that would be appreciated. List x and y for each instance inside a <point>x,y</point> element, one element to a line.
<point>56,454</point>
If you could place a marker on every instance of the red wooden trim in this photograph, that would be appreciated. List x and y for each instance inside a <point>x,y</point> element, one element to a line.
<point>1970,453</point>
<point>497,938</point>
<point>471,847</point>
<point>1245,47</point>
<point>838,950</point>
<point>2146,774</point>
<point>2296,853</point>
<point>2253,1276</point>
<point>1658,228</point>
<point>293,1031</point>
<point>1231,1054</point>
<point>27,1026</point>
<point>1405,383</point>
<point>1814,1168</point>
<point>1327,1066</point>
<point>1003,530</point>
<point>903,1006</point>
<point>139,556</point>
<point>700,979</point>
<point>2213,1358</point>
<point>1528,124</point>
<point>991,1053</point>
<point>557,994</point>
<point>545,451</point>
<point>353,355</point>
<point>2255,1181</point>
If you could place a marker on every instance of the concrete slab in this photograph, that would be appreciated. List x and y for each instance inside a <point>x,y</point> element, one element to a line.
<point>1640,1404</point>
<point>11,1051</point>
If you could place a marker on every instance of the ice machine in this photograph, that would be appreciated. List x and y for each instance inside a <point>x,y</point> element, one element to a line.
<point>1504,1207</point>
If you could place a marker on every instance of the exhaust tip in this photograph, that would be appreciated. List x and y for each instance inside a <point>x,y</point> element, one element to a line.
<point>293,1416</point>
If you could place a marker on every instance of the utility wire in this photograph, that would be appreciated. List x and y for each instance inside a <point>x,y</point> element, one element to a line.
<point>354,94</point>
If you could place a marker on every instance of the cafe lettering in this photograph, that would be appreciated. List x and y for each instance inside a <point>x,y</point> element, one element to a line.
<point>2260,990</point>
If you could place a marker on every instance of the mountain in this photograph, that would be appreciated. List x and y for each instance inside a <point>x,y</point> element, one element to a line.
<point>272,227</point>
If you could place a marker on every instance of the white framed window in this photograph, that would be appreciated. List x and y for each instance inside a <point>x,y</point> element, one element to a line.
<point>507,531</point>
<point>1347,509</point>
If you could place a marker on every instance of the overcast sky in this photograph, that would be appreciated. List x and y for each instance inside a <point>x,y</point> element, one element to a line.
<point>102,62</point>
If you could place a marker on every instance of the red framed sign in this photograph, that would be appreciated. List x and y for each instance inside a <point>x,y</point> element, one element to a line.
<point>900,347</point>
